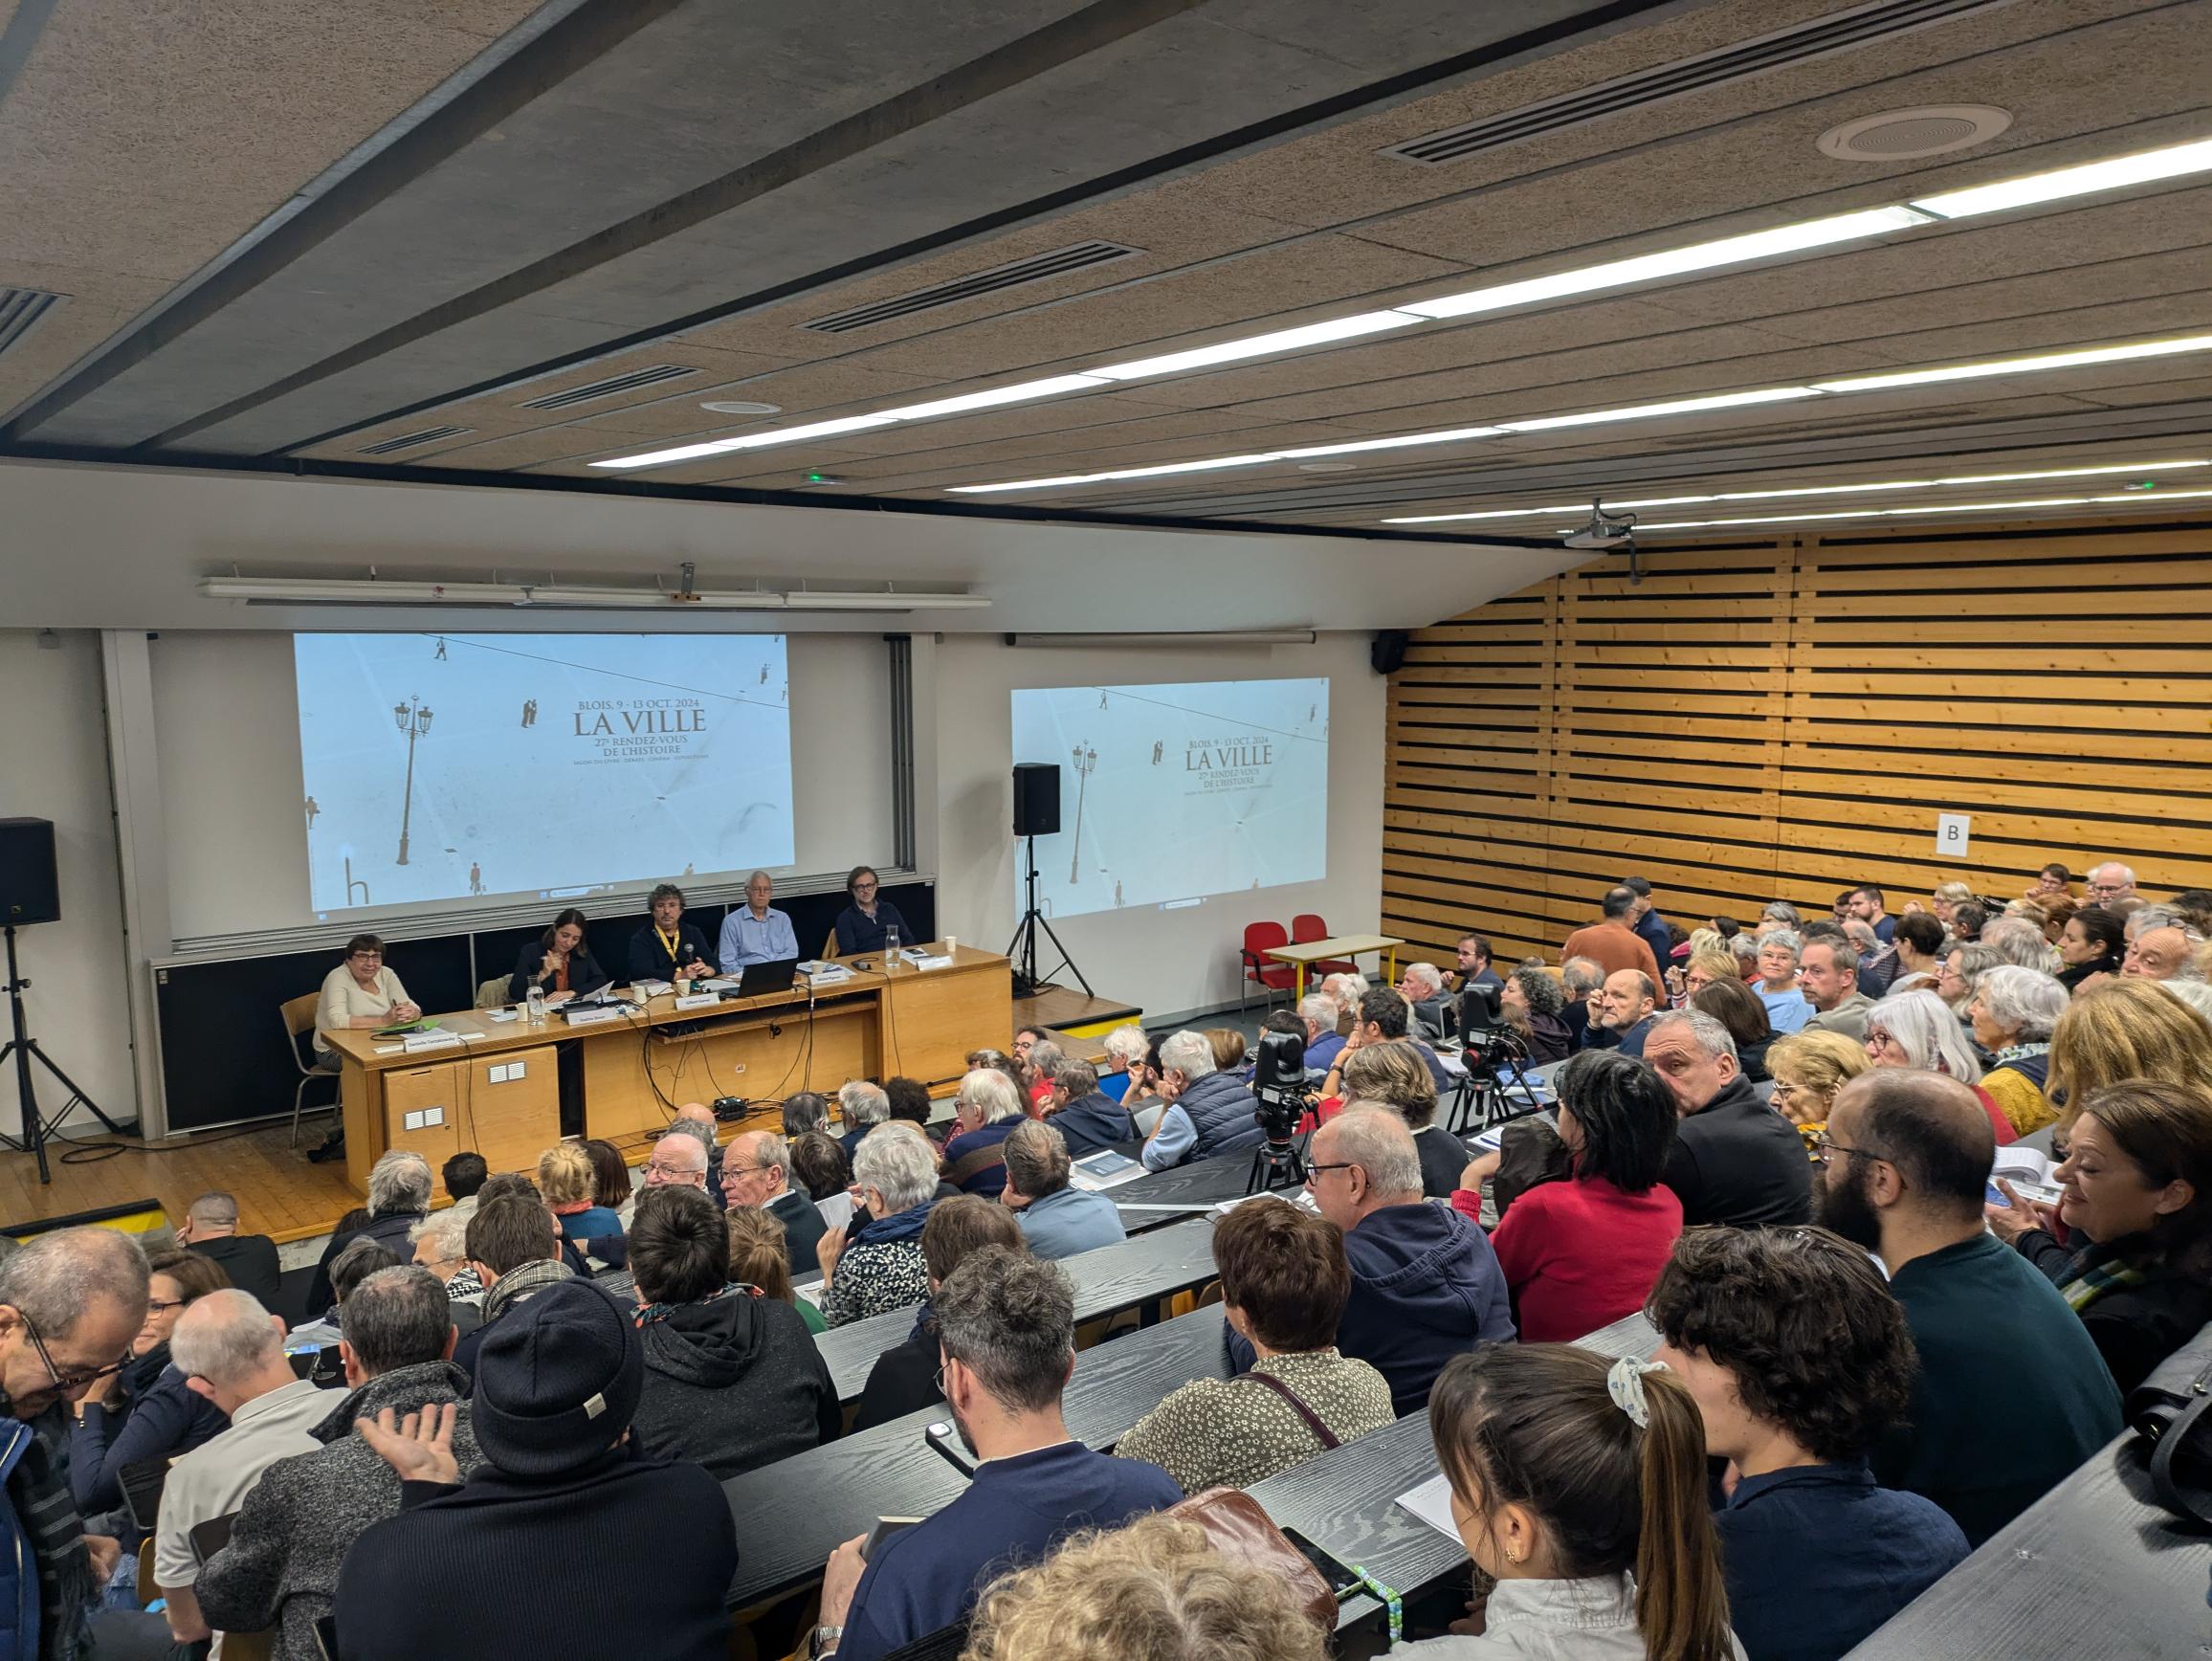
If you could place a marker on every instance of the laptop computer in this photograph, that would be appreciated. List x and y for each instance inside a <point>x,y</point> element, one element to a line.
<point>774,976</point>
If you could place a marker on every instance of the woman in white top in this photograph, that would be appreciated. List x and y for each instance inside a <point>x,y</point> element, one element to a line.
<point>1579,1484</point>
<point>360,992</point>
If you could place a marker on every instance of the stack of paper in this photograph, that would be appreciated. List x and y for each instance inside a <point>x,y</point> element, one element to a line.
<point>1431,1503</point>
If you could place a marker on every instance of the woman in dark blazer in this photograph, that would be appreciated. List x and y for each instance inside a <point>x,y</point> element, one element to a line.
<point>558,960</point>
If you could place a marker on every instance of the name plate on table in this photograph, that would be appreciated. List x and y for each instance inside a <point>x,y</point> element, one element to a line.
<point>831,974</point>
<point>417,1041</point>
<point>699,1000</point>
<point>925,962</point>
<point>589,1017</point>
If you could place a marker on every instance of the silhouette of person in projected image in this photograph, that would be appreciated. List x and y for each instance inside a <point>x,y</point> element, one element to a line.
<point>441,652</point>
<point>313,809</point>
<point>475,877</point>
<point>1155,751</point>
<point>529,711</point>
<point>1117,891</point>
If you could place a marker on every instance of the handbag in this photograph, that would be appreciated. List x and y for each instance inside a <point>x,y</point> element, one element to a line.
<point>1237,1527</point>
<point>2168,1410</point>
<point>1327,1437</point>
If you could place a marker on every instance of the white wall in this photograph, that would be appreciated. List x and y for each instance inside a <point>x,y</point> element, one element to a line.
<point>1166,962</point>
<point>54,766</point>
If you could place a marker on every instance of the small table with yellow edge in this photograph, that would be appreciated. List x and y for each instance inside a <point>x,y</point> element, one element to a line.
<point>1307,953</point>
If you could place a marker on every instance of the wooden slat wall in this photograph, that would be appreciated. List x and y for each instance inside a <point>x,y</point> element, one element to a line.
<point>1785,719</point>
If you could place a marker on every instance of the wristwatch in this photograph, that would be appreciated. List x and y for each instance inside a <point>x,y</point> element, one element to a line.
<point>824,1642</point>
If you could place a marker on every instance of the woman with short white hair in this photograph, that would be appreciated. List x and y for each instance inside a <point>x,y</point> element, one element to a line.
<point>880,1267</point>
<point>1916,1030</point>
<point>1126,1048</point>
<point>399,1197</point>
<point>2013,1011</point>
<point>984,1112</point>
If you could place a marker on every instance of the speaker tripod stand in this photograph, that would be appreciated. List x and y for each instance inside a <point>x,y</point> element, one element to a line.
<point>1023,947</point>
<point>24,1050</point>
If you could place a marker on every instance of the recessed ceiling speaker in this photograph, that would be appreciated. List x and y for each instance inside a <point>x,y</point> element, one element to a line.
<point>1908,135</point>
<point>742,407</point>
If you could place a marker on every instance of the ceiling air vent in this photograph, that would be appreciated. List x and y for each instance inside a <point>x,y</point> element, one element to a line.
<point>1077,257</point>
<point>652,376</point>
<point>1838,32</point>
<point>409,440</point>
<point>21,310</point>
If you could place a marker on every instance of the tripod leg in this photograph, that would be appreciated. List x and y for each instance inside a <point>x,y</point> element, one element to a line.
<point>1067,962</point>
<point>34,1139</point>
<point>76,1089</point>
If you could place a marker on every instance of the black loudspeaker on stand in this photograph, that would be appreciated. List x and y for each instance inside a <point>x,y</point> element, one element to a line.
<point>1036,813</point>
<point>31,893</point>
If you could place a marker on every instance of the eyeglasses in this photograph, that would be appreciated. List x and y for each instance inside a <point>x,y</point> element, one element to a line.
<point>672,1173</point>
<point>71,1381</point>
<point>1313,1171</point>
<point>1825,1144</point>
<point>160,1305</point>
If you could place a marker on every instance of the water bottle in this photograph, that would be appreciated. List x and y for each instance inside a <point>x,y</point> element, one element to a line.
<point>537,1005</point>
<point>889,950</point>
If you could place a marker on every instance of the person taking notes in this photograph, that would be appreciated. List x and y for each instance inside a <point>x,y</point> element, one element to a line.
<point>755,934</point>
<point>667,946</point>
<point>861,925</point>
<point>360,992</point>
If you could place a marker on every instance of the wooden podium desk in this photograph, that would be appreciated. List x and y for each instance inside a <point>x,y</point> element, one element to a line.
<point>499,1093</point>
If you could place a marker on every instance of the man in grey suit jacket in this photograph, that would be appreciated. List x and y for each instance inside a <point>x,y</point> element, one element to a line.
<point>1828,976</point>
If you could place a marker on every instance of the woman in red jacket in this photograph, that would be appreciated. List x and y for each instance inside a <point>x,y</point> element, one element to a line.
<point>1583,1251</point>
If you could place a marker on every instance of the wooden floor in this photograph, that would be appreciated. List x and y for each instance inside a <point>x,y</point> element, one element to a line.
<point>281,1195</point>
<point>278,1192</point>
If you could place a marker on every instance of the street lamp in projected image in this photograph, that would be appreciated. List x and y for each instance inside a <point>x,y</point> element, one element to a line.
<point>415,719</point>
<point>1086,761</point>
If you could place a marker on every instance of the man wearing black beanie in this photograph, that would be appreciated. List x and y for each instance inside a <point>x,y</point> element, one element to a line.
<point>535,1553</point>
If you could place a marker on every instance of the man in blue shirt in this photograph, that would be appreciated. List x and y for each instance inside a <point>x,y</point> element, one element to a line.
<point>1799,1358</point>
<point>1057,1219</point>
<point>1006,1332</point>
<point>1644,921</point>
<point>755,934</point>
<point>1209,1111</point>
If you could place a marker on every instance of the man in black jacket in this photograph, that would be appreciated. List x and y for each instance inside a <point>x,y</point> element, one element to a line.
<point>1734,1161</point>
<point>281,1569</point>
<point>667,946</point>
<point>211,1228</point>
<point>757,1172</point>
<point>1086,1115</point>
<point>471,1569</point>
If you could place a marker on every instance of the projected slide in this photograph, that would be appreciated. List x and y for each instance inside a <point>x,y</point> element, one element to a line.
<point>1171,792</point>
<point>444,767</point>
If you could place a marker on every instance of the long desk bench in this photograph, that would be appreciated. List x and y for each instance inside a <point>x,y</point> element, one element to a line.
<point>1346,1500</point>
<point>791,1515</point>
<point>2095,1567</point>
<point>499,1091</point>
<point>1138,1272</point>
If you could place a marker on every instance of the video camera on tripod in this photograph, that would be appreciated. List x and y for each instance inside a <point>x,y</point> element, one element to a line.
<point>1280,1099</point>
<point>1495,1054</point>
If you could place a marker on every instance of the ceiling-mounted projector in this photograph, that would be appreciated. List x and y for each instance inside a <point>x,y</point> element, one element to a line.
<point>1608,532</point>
<point>1604,530</point>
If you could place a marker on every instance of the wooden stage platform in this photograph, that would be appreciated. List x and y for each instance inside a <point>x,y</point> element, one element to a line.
<point>280,1194</point>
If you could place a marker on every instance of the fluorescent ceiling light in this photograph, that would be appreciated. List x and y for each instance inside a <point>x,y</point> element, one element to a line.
<point>1919,509</point>
<point>1642,412</point>
<point>1021,393</point>
<point>1265,346</point>
<point>1672,263</point>
<point>2116,174</point>
<point>1256,458</point>
<point>1674,407</point>
<point>1802,490</point>
<point>1403,441</point>
<point>863,599</point>
<point>750,441</point>
<point>2021,366</point>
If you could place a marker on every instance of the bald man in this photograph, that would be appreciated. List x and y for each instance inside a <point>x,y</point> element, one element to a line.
<point>698,1112</point>
<point>1905,1164</point>
<point>2160,954</point>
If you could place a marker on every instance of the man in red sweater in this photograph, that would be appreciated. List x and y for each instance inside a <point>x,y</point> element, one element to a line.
<point>1612,944</point>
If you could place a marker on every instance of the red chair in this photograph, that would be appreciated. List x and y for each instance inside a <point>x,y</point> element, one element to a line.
<point>1264,971</point>
<point>1308,926</point>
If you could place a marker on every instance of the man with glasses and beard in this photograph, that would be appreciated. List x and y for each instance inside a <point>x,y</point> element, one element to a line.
<point>2011,1395</point>
<point>70,1303</point>
<point>1006,1331</point>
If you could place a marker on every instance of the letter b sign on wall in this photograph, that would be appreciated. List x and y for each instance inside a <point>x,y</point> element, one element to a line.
<point>1951,830</point>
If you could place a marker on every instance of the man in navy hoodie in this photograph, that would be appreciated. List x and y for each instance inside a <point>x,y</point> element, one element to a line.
<point>1083,1113</point>
<point>1006,1331</point>
<point>1426,1285</point>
